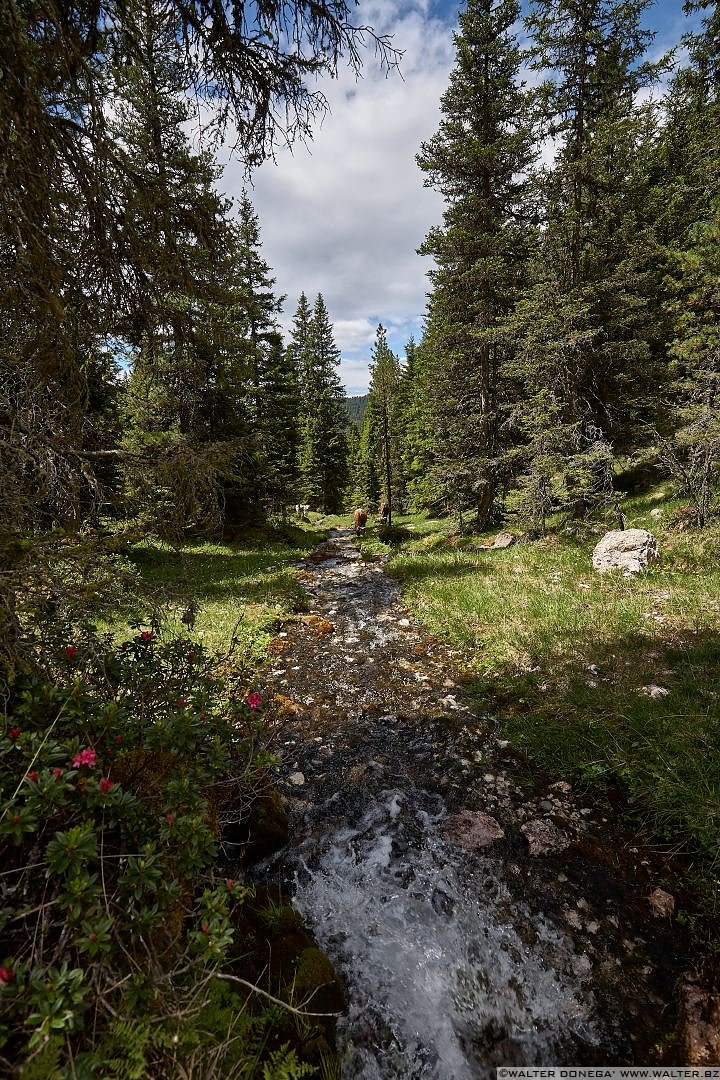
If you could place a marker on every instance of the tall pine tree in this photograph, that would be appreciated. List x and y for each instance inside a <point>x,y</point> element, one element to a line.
<point>589,359</point>
<point>478,160</point>
<point>323,468</point>
<point>383,422</point>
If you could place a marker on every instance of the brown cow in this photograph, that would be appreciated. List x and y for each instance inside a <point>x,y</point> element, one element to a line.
<point>359,520</point>
<point>384,512</point>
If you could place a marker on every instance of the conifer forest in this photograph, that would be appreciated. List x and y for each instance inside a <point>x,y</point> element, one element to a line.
<point>253,747</point>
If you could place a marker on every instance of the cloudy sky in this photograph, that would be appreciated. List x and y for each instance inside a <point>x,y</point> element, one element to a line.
<point>345,215</point>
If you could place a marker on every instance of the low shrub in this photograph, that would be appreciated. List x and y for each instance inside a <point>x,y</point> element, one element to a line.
<point>118,765</point>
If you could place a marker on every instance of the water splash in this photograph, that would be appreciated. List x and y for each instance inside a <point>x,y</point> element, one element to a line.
<point>449,975</point>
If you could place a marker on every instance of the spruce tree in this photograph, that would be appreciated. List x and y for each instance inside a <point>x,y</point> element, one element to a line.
<point>207,347</point>
<point>478,160</point>
<point>383,407</point>
<point>366,481</point>
<point>323,446</point>
<point>589,358</point>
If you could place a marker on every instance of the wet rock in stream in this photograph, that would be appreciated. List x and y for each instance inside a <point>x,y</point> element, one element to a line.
<point>535,946</point>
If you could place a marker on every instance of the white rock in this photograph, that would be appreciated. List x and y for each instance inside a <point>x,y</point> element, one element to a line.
<point>297,778</point>
<point>657,512</point>
<point>503,540</point>
<point>654,691</point>
<point>629,550</point>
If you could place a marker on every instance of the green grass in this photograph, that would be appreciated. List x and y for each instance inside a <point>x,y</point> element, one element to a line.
<point>240,589</point>
<point>561,653</point>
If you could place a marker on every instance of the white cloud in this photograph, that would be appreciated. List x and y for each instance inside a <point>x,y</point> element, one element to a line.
<point>345,215</point>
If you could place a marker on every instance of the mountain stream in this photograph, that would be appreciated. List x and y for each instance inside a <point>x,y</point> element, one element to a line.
<point>477,918</point>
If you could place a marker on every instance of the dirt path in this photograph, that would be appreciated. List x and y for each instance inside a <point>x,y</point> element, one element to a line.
<point>476,920</point>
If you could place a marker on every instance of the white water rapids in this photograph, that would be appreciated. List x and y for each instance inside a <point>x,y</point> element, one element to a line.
<point>440,980</point>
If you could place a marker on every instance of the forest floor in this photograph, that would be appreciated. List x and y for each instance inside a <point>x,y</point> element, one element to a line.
<point>479,915</point>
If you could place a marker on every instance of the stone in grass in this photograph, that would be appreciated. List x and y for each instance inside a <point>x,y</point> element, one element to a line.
<point>503,540</point>
<point>297,779</point>
<point>543,837</point>
<point>654,692</point>
<point>629,550</point>
<point>472,830</point>
<point>699,1025</point>
<point>662,903</point>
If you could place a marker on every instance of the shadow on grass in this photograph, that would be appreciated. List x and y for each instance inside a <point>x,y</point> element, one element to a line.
<point>600,728</point>
<point>257,569</point>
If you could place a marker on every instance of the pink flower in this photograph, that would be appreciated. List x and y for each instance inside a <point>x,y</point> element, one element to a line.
<point>205,927</point>
<point>14,732</point>
<point>254,700</point>
<point>57,773</point>
<point>70,651</point>
<point>6,975</point>
<point>33,776</point>
<point>170,818</point>
<point>106,785</point>
<point>147,635</point>
<point>230,883</point>
<point>85,757</point>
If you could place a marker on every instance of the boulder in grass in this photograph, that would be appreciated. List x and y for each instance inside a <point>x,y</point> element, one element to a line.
<point>503,540</point>
<point>629,550</point>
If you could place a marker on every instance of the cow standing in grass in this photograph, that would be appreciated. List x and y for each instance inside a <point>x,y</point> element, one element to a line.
<point>359,521</point>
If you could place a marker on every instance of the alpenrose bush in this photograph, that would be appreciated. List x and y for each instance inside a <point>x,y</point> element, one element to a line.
<point>115,766</point>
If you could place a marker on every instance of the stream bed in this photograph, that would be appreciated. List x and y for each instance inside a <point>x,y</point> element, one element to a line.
<point>476,919</point>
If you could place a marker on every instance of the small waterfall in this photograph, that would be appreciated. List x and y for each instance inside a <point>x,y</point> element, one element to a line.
<point>449,975</point>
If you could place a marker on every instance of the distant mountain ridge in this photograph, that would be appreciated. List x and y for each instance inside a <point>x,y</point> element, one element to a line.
<point>355,408</point>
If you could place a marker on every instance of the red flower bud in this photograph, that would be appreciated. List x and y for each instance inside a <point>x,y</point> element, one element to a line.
<point>170,818</point>
<point>230,884</point>
<point>33,775</point>
<point>14,732</point>
<point>118,739</point>
<point>106,785</point>
<point>147,635</point>
<point>70,650</point>
<point>191,656</point>
<point>205,927</point>
<point>57,773</point>
<point>6,974</point>
<point>181,703</point>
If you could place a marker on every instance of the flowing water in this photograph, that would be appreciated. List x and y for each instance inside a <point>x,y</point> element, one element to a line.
<point>476,920</point>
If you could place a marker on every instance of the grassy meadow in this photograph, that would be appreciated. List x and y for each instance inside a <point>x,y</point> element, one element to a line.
<point>566,658</point>
<point>238,590</point>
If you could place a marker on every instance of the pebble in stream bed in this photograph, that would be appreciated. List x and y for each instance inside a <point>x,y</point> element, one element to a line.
<point>530,951</point>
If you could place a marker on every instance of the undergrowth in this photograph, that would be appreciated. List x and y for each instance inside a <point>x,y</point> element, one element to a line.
<point>131,943</point>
